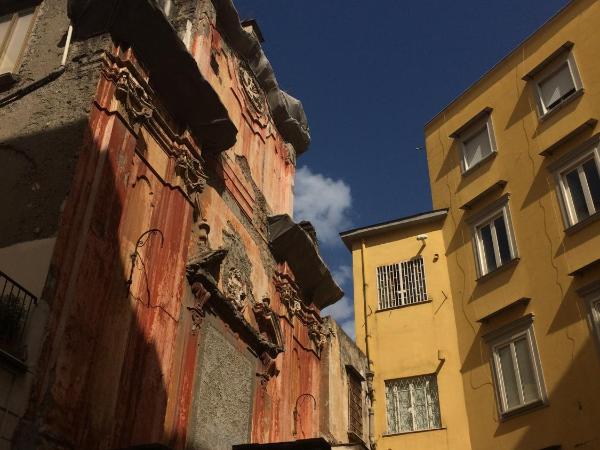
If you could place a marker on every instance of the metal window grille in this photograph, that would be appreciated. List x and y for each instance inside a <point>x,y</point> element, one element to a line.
<point>15,305</point>
<point>355,412</point>
<point>401,284</point>
<point>412,404</point>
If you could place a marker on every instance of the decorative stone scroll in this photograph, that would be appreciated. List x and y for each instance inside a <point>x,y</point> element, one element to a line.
<point>136,100</point>
<point>268,324</point>
<point>201,296</point>
<point>251,89</point>
<point>191,172</point>
<point>288,293</point>
<point>318,330</point>
<point>319,334</point>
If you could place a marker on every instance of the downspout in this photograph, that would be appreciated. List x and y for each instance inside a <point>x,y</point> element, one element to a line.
<point>370,374</point>
<point>67,45</point>
<point>24,90</point>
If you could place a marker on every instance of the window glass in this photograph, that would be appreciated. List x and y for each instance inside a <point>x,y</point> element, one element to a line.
<point>477,147</point>
<point>530,390</point>
<point>557,87</point>
<point>508,377</point>
<point>502,237</point>
<point>577,196</point>
<point>488,248</point>
<point>593,180</point>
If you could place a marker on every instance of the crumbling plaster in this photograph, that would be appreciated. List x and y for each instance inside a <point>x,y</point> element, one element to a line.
<point>42,133</point>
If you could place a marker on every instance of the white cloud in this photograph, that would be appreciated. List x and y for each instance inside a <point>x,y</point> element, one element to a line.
<point>342,274</point>
<point>324,202</point>
<point>343,313</point>
<point>343,310</point>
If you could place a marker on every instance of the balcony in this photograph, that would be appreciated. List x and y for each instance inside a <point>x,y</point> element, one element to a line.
<point>15,306</point>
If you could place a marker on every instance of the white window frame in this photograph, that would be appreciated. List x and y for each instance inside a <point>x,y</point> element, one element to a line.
<point>521,328</point>
<point>386,298</point>
<point>412,407</point>
<point>565,58</point>
<point>565,199</point>
<point>471,131</point>
<point>4,44</point>
<point>485,218</point>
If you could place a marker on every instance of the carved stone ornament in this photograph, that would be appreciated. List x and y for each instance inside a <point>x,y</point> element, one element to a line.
<point>289,297</point>
<point>262,308</point>
<point>133,96</point>
<point>197,311</point>
<point>251,88</point>
<point>270,368</point>
<point>191,172</point>
<point>318,333</point>
<point>235,290</point>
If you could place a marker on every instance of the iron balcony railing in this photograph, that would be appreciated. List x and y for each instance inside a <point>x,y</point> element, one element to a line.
<point>15,306</point>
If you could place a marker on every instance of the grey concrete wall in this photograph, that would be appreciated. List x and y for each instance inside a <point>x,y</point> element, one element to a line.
<point>340,352</point>
<point>41,134</point>
<point>223,392</point>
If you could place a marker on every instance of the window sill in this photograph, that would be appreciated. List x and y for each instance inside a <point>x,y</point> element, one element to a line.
<point>355,438</point>
<point>400,433</point>
<point>558,107</point>
<point>583,223</point>
<point>7,80</point>
<point>513,262</point>
<point>531,407</point>
<point>485,160</point>
<point>402,306</point>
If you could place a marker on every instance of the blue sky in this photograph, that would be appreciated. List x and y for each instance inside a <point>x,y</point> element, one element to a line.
<point>370,75</point>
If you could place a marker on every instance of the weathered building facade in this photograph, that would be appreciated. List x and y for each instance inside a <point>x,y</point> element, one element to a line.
<point>162,294</point>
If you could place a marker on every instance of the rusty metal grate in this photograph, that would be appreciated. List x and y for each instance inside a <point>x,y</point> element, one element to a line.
<point>15,306</point>
<point>355,410</point>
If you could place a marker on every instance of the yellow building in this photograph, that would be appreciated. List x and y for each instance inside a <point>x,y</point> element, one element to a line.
<point>401,284</point>
<point>515,159</point>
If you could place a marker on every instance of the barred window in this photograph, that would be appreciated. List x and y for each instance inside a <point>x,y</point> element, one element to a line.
<point>355,412</point>
<point>401,284</point>
<point>412,404</point>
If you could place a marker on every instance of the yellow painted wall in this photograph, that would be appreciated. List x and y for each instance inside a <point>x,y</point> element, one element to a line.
<point>568,351</point>
<point>408,341</point>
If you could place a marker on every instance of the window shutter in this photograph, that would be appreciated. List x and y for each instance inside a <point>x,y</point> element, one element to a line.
<point>477,147</point>
<point>557,86</point>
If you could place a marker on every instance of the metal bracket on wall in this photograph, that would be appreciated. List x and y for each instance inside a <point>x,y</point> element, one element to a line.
<point>142,240</point>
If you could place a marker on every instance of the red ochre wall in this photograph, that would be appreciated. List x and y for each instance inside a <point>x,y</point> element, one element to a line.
<point>118,361</point>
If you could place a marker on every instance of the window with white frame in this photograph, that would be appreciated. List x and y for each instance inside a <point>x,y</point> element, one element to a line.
<point>401,284</point>
<point>14,30</point>
<point>557,82</point>
<point>516,366</point>
<point>412,404</point>
<point>579,186</point>
<point>477,142</point>
<point>494,240</point>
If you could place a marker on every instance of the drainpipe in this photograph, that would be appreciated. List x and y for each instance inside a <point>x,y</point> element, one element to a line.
<point>370,374</point>
<point>67,45</point>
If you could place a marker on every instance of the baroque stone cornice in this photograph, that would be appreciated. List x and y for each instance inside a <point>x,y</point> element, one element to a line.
<point>136,103</point>
<point>318,330</point>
